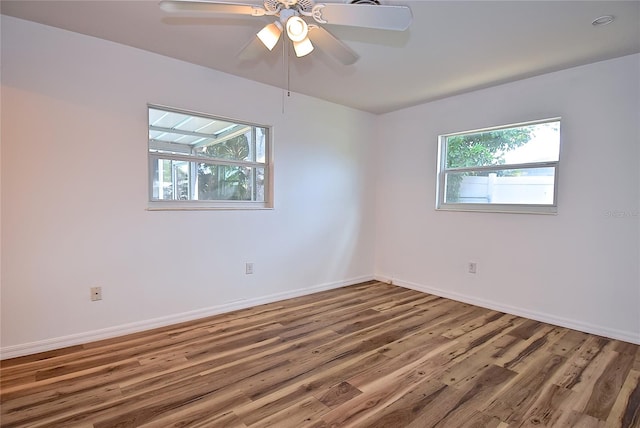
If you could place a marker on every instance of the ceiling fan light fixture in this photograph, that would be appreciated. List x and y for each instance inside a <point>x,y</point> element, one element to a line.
<point>270,34</point>
<point>305,47</point>
<point>297,29</point>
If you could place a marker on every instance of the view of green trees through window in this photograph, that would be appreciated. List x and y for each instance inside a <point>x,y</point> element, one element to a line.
<point>224,181</point>
<point>508,166</point>
<point>202,158</point>
<point>481,149</point>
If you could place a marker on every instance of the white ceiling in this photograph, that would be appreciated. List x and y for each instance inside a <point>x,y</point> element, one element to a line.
<point>451,47</point>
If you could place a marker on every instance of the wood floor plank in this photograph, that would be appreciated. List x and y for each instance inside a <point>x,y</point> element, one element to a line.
<point>462,368</point>
<point>569,342</point>
<point>407,408</point>
<point>367,355</point>
<point>626,410</point>
<point>379,394</point>
<point>200,414</point>
<point>338,394</point>
<point>317,384</point>
<point>477,389</point>
<point>572,373</point>
<point>516,398</point>
<point>608,385</point>
<point>477,322</point>
<point>454,404</point>
<point>546,410</point>
<point>302,414</point>
<point>536,344</point>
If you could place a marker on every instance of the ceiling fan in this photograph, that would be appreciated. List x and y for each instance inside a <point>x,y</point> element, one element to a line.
<point>291,16</point>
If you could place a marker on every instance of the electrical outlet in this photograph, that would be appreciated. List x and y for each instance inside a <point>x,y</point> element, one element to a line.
<point>472,267</point>
<point>96,293</point>
<point>248,268</point>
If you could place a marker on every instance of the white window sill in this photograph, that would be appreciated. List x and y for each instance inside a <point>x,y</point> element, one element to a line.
<point>501,208</point>
<point>206,205</point>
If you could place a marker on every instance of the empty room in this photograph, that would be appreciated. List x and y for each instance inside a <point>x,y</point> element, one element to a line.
<point>296,213</point>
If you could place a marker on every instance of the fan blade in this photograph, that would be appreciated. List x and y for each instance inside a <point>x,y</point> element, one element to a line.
<point>363,15</point>
<point>211,7</point>
<point>326,42</point>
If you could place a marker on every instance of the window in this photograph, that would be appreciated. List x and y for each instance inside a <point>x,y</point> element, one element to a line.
<point>198,161</point>
<point>503,169</point>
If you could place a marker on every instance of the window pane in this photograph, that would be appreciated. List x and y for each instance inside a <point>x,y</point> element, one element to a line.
<point>259,186</point>
<point>181,180</point>
<point>261,141</point>
<point>532,186</point>
<point>231,183</point>
<point>235,148</point>
<point>525,144</point>
<point>171,180</point>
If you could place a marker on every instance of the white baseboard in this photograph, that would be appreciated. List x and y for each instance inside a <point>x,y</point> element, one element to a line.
<point>121,330</point>
<point>627,336</point>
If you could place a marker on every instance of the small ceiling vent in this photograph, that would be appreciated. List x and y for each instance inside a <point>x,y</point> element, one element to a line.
<point>364,2</point>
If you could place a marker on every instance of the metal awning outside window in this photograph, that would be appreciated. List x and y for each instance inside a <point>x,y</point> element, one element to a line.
<point>176,132</point>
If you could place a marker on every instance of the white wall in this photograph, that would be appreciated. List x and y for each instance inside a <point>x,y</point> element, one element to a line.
<point>74,194</point>
<point>74,191</point>
<point>579,268</point>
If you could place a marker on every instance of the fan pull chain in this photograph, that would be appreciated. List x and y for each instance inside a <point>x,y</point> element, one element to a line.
<point>284,69</point>
<point>288,73</point>
<point>286,66</point>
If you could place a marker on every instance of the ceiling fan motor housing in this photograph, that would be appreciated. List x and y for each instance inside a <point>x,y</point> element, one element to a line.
<point>275,5</point>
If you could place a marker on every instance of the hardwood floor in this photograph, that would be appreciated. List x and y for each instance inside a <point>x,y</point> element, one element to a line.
<point>369,355</point>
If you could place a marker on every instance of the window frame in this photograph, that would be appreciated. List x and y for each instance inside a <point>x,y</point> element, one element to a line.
<point>215,204</point>
<point>442,170</point>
